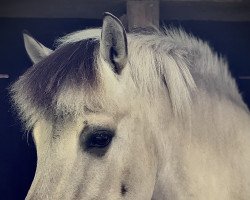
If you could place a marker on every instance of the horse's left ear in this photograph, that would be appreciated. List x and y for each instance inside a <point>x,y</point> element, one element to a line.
<point>35,49</point>
<point>113,44</point>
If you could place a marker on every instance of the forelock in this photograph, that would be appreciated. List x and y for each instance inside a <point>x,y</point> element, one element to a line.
<point>73,66</point>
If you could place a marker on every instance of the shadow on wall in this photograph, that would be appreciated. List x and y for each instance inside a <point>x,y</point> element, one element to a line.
<point>18,157</point>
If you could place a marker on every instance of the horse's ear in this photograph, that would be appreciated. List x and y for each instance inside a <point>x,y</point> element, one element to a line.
<point>113,44</point>
<point>35,49</point>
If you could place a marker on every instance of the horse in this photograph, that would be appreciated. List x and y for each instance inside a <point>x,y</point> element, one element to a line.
<point>141,115</point>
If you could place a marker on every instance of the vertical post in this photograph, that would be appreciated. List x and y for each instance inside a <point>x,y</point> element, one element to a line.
<point>142,14</point>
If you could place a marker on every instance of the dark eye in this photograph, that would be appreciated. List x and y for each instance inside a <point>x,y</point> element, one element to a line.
<point>99,139</point>
<point>96,140</point>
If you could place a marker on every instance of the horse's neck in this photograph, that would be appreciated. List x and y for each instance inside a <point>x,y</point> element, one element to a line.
<point>219,131</point>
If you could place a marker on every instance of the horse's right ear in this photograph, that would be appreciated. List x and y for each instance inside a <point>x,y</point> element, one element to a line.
<point>35,49</point>
<point>113,44</point>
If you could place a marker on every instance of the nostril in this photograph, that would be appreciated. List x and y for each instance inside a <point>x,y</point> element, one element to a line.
<point>123,189</point>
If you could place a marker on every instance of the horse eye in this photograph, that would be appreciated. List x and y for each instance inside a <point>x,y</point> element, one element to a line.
<point>99,139</point>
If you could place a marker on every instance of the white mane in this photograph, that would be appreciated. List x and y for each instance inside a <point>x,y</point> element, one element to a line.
<point>175,60</point>
<point>78,36</point>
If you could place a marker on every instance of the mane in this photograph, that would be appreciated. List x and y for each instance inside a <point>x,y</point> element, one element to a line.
<point>184,64</point>
<point>169,59</point>
<point>179,60</point>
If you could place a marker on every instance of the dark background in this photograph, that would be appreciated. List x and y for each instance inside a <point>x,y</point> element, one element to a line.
<point>17,153</point>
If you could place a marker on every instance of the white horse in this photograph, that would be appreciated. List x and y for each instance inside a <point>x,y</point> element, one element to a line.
<point>150,115</point>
